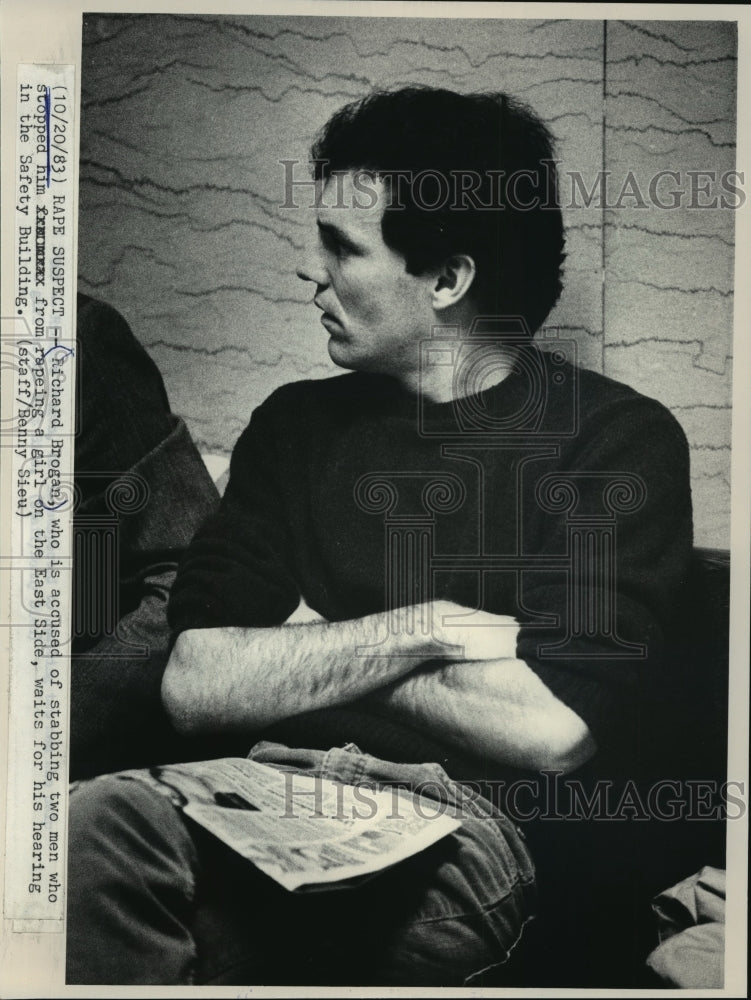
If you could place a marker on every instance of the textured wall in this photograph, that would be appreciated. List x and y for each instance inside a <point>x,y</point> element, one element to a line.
<point>668,303</point>
<point>185,120</point>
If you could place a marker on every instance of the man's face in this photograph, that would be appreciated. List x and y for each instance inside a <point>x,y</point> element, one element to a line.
<point>374,312</point>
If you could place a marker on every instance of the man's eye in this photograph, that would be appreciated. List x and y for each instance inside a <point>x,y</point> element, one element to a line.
<point>335,246</point>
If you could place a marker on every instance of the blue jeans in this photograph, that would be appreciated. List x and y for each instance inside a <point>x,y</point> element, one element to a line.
<point>154,899</point>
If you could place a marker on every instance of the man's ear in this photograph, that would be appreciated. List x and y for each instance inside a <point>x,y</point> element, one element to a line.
<point>453,281</point>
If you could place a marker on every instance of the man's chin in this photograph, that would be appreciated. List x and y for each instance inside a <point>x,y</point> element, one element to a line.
<point>340,353</point>
<point>344,354</point>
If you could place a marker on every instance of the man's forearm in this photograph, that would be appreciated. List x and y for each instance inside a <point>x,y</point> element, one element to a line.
<point>247,678</point>
<point>234,678</point>
<point>497,709</point>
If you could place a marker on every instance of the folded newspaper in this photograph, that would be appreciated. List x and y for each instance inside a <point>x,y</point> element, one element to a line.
<point>305,832</point>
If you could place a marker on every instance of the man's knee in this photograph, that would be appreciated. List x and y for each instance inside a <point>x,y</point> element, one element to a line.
<point>113,800</point>
<point>112,816</point>
<point>463,905</point>
<point>131,880</point>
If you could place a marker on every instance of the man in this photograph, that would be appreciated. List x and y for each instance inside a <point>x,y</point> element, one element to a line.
<point>450,511</point>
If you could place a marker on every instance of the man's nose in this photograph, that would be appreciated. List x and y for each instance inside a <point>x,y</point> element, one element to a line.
<point>311,268</point>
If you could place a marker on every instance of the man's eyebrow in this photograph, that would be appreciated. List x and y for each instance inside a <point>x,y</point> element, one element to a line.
<point>332,229</point>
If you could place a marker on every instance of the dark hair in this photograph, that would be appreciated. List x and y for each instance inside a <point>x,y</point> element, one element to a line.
<point>436,137</point>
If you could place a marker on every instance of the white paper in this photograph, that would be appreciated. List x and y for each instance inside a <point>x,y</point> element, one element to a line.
<point>302,831</point>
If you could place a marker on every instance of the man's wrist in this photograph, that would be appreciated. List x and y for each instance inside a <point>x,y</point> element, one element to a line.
<point>419,630</point>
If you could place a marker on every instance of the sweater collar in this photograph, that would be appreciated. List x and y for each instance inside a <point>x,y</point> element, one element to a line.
<point>502,405</point>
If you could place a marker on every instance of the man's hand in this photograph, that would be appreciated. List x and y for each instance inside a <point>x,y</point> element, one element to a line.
<point>472,635</point>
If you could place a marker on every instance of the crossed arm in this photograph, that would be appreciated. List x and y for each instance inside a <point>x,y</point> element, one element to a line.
<point>460,682</point>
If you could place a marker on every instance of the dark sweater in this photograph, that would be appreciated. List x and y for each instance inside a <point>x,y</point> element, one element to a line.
<point>293,521</point>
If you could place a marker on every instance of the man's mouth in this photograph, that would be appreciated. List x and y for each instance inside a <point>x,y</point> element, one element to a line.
<point>330,323</point>
<point>328,319</point>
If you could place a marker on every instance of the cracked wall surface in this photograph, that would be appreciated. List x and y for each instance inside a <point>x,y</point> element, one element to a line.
<point>668,290</point>
<point>185,120</point>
